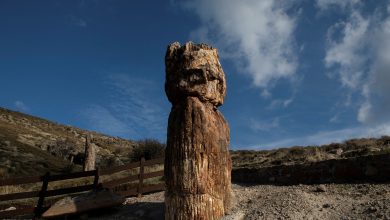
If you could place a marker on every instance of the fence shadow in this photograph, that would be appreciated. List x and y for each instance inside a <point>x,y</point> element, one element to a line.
<point>135,211</point>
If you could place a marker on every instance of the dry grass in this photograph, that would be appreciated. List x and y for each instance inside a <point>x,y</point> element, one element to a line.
<point>298,154</point>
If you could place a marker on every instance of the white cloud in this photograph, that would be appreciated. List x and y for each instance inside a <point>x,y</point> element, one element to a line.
<point>376,90</point>
<point>258,35</point>
<point>361,58</point>
<point>20,106</point>
<point>277,103</point>
<point>348,53</point>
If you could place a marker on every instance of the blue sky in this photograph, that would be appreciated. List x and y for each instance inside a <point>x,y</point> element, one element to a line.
<point>298,73</point>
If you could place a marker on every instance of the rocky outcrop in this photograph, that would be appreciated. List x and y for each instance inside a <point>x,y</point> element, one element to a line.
<point>90,155</point>
<point>34,146</point>
<point>197,160</point>
<point>371,168</point>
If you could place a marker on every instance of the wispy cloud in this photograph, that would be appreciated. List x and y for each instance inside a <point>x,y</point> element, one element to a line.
<point>343,4</point>
<point>361,59</point>
<point>78,21</point>
<point>258,35</point>
<point>132,111</point>
<point>268,125</point>
<point>20,106</point>
<point>102,120</point>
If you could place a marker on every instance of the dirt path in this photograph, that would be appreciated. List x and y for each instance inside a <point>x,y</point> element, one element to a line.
<point>328,201</point>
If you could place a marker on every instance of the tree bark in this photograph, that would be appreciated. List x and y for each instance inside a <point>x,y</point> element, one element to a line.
<point>90,155</point>
<point>197,160</point>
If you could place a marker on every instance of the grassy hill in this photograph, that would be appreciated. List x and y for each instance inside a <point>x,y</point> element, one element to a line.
<point>31,145</point>
<point>300,155</point>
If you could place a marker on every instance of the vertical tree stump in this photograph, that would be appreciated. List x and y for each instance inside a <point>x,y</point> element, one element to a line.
<point>197,161</point>
<point>90,154</point>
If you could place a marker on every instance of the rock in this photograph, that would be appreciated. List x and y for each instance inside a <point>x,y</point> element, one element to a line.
<point>8,209</point>
<point>197,160</point>
<point>234,216</point>
<point>83,203</point>
<point>320,188</point>
<point>372,209</point>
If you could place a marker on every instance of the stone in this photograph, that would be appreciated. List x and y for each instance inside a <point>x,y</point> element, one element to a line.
<point>197,160</point>
<point>90,154</point>
<point>84,203</point>
<point>320,188</point>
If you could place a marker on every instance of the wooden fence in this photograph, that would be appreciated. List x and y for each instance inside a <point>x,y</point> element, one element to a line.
<point>112,184</point>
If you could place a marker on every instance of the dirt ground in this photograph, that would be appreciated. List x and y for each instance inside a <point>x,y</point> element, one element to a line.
<point>325,201</point>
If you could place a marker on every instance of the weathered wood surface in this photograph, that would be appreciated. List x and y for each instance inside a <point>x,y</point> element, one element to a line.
<point>197,161</point>
<point>90,154</point>
<point>20,180</point>
<point>83,204</point>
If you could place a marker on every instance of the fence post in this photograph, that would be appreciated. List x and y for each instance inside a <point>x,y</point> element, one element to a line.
<point>141,176</point>
<point>45,183</point>
<point>96,180</point>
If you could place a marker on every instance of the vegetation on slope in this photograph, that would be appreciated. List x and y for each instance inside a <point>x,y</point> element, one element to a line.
<point>32,146</point>
<point>298,154</point>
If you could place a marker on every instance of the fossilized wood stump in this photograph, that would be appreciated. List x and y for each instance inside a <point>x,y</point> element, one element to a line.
<point>197,161</point>
<point>90,154</point>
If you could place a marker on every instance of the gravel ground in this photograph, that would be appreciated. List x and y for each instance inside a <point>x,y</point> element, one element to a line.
<point>326,201</point>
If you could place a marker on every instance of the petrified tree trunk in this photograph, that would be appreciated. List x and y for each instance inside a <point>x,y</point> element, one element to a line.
<point>90,155</point>
<point>197,160</point>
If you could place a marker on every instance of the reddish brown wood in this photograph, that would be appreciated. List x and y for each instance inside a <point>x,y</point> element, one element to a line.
<point>42,194</point>
<point>197,161</point>
<point>154,174</point>
<point>20,180</point>
<point>154,188</point>
<point>75,189</point>
<point>96,173</point>
<point>120,168</point>
<point>117,182</point>
<point>154,161</point>
<point>21,195</point>
<point>71,175</point>
<point>96,179</point>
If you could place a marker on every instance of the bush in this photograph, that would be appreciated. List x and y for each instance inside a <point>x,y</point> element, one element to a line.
<point>149,149</point>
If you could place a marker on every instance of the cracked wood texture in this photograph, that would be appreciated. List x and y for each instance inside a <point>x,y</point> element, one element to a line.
<point>197,160</point>
<point>90,154</point>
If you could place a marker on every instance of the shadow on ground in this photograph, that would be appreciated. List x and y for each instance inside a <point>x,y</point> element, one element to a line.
<point>135,211</point>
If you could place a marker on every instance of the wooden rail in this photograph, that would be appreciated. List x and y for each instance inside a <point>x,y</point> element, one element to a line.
<point>139,189</point>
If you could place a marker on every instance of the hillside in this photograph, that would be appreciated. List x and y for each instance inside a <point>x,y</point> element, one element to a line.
<point>301,155</point>
<point>31,145</point>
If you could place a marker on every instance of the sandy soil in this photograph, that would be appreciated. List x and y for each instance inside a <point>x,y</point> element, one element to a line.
<point>326,201</point>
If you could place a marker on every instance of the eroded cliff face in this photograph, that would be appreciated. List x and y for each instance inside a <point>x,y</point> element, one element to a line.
<point>197,160</point>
